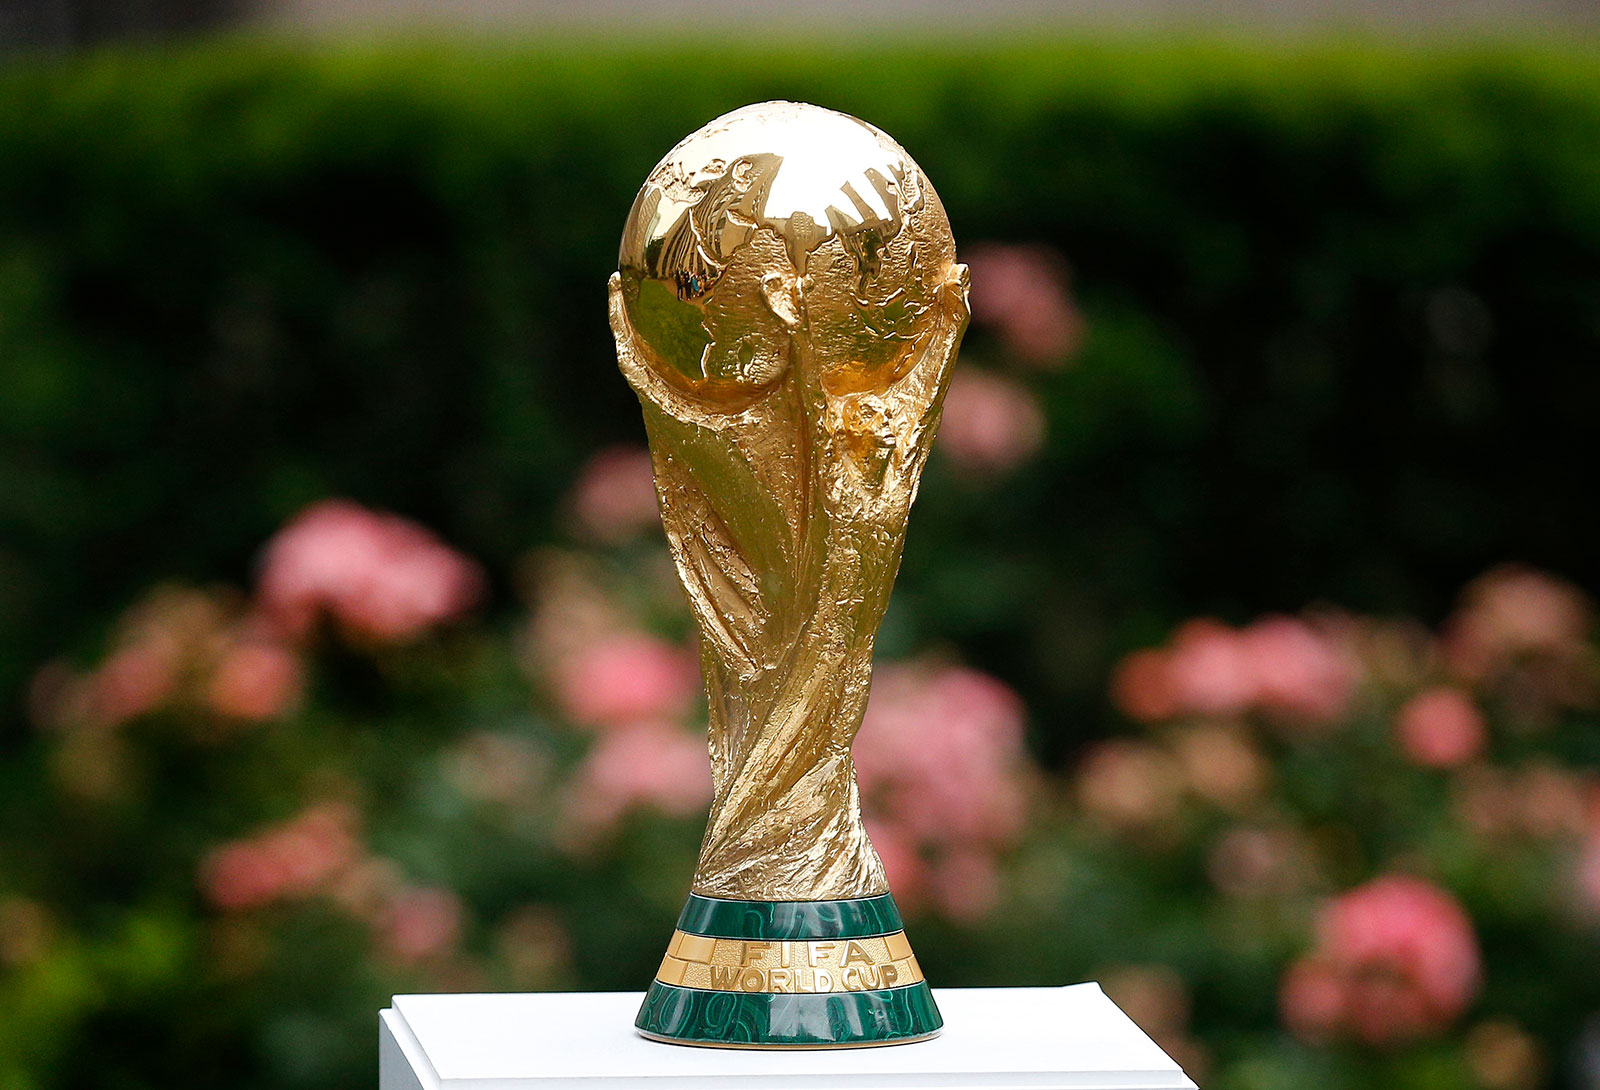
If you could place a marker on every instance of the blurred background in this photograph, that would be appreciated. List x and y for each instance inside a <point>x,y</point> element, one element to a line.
<point>1243,656</point>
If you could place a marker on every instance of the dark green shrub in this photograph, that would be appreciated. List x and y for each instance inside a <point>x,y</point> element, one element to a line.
<point>1342,311</point>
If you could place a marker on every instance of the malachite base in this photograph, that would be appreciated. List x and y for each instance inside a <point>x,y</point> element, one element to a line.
<point>690,1016</point>
<point>789,974</point>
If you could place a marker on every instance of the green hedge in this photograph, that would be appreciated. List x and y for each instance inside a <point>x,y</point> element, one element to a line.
<point>1343,309</point>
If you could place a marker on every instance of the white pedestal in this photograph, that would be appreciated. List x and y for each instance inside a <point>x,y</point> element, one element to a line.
<point>993,1038</point>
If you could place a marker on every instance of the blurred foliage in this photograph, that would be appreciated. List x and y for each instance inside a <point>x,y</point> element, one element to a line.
<point>1340,309</point>
<point>1342,306</point>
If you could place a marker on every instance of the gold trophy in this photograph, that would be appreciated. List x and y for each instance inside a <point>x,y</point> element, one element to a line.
<point>787,307</point>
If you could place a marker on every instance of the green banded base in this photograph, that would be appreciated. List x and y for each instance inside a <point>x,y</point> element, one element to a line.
<point>691,1016</point>
<point>857,918</point>
<point>789,974</point>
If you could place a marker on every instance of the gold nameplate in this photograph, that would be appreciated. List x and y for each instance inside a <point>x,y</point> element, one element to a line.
<point>747,965</point>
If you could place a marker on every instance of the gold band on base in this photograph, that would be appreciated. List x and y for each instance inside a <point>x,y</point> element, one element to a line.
<point>832,965</point>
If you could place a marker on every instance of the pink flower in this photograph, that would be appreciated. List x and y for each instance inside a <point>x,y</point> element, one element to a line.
<point>159,642</point>
<point>626,678</point>
<point>1154,996</point>
<point>1511,612</point>
<point>1210,669</point>
<point>161,646</point>
<point>615,495</point>
<point>420,924</point>
<point>1141,687</point>
<point>177,648</point>
<point>904,866</point>
<point>1021,291</point>
<point>255,680</point>
<point>1158,1000</point>
<point>1441,728</point>
<point>1553,801</point>
<point>991,424</point>
<point>1130,784</point>
<point>940,755</point>
<point>1541,800</point>
<point>966,884</point>
<point>647,764</point>
<point>1395,960</point>
<point>1282,666</point>
<point>944,782</point>
<point>367,887</point>
<point>380,577</point>
<point>290,860</point>
<point>1300,673</point>
<point>1221,764</point>
<point>1313,998</point>
<point>134,681</point>
<point>574,610</point>
<point>241,875</point>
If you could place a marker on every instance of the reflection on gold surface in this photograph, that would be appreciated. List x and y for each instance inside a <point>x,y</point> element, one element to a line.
<point>788,307</point>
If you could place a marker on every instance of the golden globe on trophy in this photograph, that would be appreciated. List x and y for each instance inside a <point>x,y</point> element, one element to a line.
<point>787,307</point>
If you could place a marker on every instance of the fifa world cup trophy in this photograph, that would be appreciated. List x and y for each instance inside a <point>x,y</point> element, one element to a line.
<point>788,307</point>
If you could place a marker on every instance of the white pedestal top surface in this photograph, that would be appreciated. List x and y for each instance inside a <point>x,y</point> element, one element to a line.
<point>993,1038</point>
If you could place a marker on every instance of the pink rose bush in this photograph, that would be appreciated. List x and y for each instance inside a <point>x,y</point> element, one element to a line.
<point>1395,959</point>
<point>377,576</point>
<point>1533,801</point>
<point>1292,753</point>
<point>992,424</point>
<point>380,792</point>
<point>1130,784</point>
<point>203,655</point>
<point>319,853</point>
<point>993,421</point>
<point>293,859</point>
<point>232,659</point>
<point>626,678</point>
<point>1285,667</point>
<point>1441,728</point>
<point>419,925</point>
<point>637,694</point>
<point>1514,616</point>
<point>650,765</point>
<point>218,679</point>
<point>1022,293</point>
<point>944,782</point>
<point>614,498</point>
